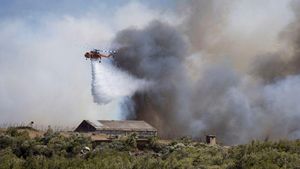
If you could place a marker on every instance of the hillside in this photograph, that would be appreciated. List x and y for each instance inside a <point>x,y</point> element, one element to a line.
<point>51,150</point>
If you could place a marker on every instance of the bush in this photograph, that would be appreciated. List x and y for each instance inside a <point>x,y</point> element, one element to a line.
<point>9,160</point>
<point>131,141</point>
<point>54,151</point>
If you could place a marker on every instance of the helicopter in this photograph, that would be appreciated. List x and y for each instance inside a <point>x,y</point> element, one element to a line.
<point>98,54</point>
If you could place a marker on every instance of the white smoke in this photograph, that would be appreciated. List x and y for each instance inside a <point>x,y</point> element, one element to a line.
<point>283,107</point>
<point>109,83</point>
<point>240,108</point>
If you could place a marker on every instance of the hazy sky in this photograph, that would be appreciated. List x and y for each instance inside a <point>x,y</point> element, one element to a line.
<point>43,75</point>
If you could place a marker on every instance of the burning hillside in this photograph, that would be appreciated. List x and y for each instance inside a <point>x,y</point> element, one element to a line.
<point>199,85</point>
<point>189,68</point>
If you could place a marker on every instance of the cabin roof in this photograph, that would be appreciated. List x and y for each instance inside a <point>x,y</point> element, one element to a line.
<point>124,125</point>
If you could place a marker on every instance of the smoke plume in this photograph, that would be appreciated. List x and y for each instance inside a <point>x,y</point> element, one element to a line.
<point>200,87</point>
<point>196,67</point>
<point>155,53</point>
<point>286,61</point>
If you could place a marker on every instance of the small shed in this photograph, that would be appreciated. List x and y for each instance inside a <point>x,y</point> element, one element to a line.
<point>116,128</point>
<point>211,139</point>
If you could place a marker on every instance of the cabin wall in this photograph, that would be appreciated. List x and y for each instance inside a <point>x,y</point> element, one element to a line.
<point>140,134</point>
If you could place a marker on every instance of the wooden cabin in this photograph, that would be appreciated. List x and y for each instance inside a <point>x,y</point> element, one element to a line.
<point>115,128</point>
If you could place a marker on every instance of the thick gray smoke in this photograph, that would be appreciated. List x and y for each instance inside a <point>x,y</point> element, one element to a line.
<point>155,53</point>
<point>277,65</point>
<point>198,87</point>
<point>205,23</point>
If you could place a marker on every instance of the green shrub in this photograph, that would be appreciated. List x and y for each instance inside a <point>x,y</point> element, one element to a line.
<point>54,151</point>
<point>9,160</point>
<point>131,141</point>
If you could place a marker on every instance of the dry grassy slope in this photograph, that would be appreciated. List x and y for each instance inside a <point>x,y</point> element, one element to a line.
<point>2,130</point>
<point>32,132</point>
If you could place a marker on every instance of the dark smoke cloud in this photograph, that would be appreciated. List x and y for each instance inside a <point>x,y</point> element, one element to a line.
<point>217,98</point>
<point>155,53</point>
<point>151,52</point>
